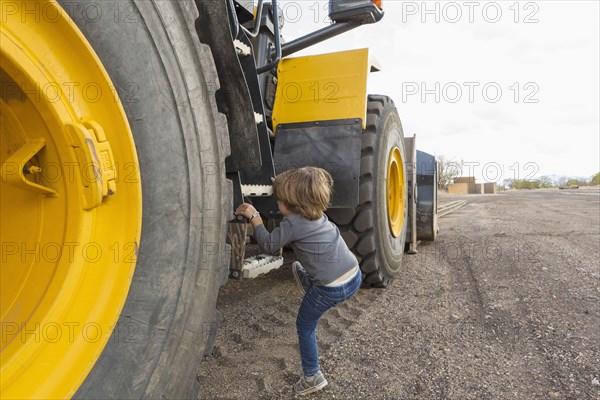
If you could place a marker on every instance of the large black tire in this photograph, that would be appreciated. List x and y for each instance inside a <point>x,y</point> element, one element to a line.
<point>427,201</point>
<point>365,228</point>
<point>166,80</point>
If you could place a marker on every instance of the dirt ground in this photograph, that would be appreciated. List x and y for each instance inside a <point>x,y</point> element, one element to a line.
<point>503,305</point>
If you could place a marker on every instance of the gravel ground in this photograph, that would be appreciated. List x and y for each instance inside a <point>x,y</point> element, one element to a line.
<point>503,305</point>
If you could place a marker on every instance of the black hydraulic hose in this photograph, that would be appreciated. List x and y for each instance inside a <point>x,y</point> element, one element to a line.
<point>257,21</point>
<point>273,64</point>
<point>318,36</point>
<point>233,21</point>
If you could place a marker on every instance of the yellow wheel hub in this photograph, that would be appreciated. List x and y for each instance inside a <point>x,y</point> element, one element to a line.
<point>395,191</point>
<point>70,204</point>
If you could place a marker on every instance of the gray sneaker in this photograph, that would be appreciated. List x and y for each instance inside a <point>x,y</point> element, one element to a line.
<point>301,276</point>
<point>310,384</point>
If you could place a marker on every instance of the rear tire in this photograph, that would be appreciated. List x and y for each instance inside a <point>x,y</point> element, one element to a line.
<point>365,228</point>
<point>427,203</point>
<point>166,80</point>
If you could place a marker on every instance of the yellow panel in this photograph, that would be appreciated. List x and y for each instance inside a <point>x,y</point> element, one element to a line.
<point>323,87</point>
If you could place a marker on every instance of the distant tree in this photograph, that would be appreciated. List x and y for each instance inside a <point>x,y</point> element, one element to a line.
<point>546,182</point>
<point>573,181</point>
<point>523,184</point>
<point>447,170</point>
<point>595,179</point>
<point>507,183</point>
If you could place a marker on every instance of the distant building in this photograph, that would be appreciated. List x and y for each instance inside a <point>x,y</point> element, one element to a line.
<point>458,188</point>
<point>464,179</point>
<point>467,185</point>
<point>490,188</point>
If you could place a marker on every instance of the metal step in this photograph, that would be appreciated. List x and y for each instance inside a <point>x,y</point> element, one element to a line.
<point>259,265</point>
<point>257,190</point>
<point>241,49</point>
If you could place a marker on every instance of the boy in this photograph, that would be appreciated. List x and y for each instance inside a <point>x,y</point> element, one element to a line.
<point>332,274</point>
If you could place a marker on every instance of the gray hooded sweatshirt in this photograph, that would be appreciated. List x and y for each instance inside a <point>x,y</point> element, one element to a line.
<point>317,244</point>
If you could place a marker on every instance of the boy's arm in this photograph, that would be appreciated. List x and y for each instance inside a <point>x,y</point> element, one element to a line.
<point>271,242</point>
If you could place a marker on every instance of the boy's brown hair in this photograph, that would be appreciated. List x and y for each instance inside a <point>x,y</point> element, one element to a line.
<point>305,191</point>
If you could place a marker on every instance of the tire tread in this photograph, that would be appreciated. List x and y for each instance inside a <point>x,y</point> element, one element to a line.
<point>360,220</point>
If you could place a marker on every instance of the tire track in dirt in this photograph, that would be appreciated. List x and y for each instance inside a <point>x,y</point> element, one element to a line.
<point>476,330</point>
<point>548,329</point>
<point>507,296</point>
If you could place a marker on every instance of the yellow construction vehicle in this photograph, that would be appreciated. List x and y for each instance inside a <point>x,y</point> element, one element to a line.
<point>129,131</point>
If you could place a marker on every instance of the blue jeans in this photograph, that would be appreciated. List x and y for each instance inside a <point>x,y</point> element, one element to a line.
<point>317,300</point>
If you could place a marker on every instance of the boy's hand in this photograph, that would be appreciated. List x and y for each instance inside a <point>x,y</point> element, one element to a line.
<point>245,209</point>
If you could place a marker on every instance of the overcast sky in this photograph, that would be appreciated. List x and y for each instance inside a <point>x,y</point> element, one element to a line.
<point>537,61</point>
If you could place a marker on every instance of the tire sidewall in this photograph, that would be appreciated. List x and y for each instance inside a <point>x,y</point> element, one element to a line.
<point>390,248</point>
<point>169,319</point>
